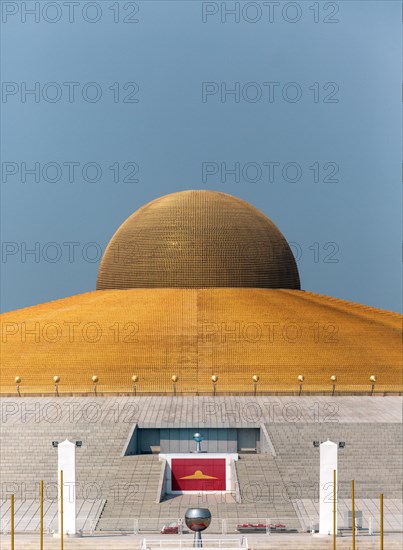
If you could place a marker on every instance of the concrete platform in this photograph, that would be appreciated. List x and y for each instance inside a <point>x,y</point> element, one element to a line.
<point>255,542</point>
<point>202,411</point>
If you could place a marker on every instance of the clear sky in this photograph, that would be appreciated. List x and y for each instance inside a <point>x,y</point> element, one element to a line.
<point>292,106</point>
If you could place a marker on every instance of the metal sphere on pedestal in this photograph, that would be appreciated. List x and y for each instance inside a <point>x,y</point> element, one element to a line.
<point>198,438</point>
<point>197,519</point>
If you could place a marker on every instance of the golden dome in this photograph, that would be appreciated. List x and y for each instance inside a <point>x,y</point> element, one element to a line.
<point>198,239</point>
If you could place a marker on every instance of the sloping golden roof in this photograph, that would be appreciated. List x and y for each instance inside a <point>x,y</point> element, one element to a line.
<point>198,239</point>
<point>195,333</point>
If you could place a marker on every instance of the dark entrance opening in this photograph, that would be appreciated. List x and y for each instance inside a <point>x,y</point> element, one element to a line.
<point>180,440</point>
<point>149,441</point>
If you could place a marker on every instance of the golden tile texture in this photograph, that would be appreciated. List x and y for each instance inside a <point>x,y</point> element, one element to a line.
<point>196,333</point>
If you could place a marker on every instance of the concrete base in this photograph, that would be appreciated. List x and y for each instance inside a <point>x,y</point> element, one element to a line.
<point>109,541</point>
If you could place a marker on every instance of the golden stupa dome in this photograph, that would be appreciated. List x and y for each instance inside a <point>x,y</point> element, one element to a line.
<point>198,239</point>
<point>198,292</point>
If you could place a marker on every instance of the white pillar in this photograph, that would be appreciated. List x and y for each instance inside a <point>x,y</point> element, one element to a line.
<point>328,463</point>
<point>67,463</point>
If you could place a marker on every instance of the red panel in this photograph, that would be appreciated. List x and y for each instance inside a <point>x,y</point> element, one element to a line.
<point>198,474</point>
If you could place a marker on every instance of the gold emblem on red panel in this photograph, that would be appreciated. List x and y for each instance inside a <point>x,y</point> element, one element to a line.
<point>198,474</point>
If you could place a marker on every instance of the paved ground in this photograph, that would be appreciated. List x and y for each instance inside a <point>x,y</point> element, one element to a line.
<point>259,542</point>
<point>27,514</point>
<point>393,512</point>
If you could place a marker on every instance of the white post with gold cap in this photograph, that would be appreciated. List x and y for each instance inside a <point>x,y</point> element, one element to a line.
<point>328,464</point>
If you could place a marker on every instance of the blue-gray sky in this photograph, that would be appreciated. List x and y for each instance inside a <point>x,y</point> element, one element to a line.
<point>312,130</point>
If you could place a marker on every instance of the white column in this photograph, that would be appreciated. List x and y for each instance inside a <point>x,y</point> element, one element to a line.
<point>67,463</point>
<point>328,463</point>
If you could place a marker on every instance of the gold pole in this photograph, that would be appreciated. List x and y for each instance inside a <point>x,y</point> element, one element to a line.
<point>61,510</point>
<point>353,512</point>
<point>12,522</point>
<point>41,515</point>
<point>381,506</point>
<point>334,509</point>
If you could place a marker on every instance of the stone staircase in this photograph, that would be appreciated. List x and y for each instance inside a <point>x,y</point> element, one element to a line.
<point>98,461</point>
<point>262,492</point>
<point>132,505</point>
<point>27,456</point>
<point>372,457</point>
<point>133,495</point>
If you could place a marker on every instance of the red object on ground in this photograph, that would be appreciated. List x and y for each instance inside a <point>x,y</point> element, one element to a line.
<point>198,474</point>
<point>171,529</point>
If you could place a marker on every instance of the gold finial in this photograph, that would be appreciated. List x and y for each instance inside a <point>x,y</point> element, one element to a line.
<point>333,379</point>
<point>56,379</point>
<point>214,378</point>
<point>95,378</point>
<point>17,380</point>
<point>373,378</point>
<point>135,378</point>
<point>255,378</point>
<point>175,378</point>
<point>301,379</point>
